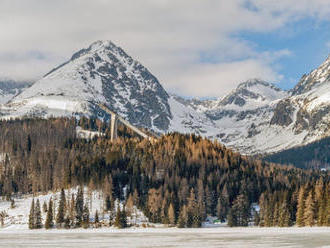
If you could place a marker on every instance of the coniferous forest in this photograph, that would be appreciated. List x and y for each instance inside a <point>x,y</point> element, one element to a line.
<point>177,179</point>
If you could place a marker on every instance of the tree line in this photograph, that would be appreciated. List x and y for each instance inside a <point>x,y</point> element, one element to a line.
<point>177,180</point>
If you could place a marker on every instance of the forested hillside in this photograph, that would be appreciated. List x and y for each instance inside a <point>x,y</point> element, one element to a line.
<point>315,155</point>
<point>178,179</point>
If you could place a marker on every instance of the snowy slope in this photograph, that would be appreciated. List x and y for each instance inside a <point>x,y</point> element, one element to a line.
<point>18,216</point>
<point>102,73</point>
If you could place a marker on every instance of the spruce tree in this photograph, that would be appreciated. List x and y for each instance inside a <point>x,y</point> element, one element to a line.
<point>49,218</point>
<point>118,216</point>
<point>61,209</point>
<point>123,218</point>
<point>32,216</point>
<point>79,208</point>
<point>85,217</point>
<point>37,213</point>
<point>108,205</point>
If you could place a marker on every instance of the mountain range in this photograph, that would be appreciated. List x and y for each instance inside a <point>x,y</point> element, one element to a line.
<point>256,117</point>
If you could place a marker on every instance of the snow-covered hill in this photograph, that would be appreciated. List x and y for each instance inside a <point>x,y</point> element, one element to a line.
<point>256,117</point>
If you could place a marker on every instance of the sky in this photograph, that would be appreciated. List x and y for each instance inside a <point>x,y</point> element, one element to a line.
<point>196,48</point>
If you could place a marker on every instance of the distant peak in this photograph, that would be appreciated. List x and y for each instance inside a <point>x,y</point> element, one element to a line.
<point>102,44</point>
<point>256,81</point>
<point>316,77</point>
<point>96,46</point>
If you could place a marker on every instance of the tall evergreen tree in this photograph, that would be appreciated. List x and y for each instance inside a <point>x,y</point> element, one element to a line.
<point>32,216</point>
<point>38,218</point>
<point>79,207</point>
<point>49,218</point>
<point>61,209</point>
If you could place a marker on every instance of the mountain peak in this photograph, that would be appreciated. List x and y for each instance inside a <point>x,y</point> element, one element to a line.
<point>254,91</point>
<point>101,73</point>
<point>256,81</point>
<point>315,78</point>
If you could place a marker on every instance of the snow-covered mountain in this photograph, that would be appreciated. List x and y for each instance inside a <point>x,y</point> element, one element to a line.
<point>256,117</point>
<point>102,73</point>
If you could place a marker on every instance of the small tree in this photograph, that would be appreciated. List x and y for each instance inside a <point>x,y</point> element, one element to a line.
<point>38,218</point>
<point>85,217</point>
<point>121,218</point>
<point>118,215</point>
<point>3,215</point>
<point>32,216</point>
<point>44,207</point>
<point>12,203</point>
<point>49,218</point>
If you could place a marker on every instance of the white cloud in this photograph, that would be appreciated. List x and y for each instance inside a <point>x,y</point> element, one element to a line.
<point>170,37</point>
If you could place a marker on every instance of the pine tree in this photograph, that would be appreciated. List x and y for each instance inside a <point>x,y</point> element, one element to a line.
<point>284,215</point>
<point>118,216</point>
<point>194,218</point>
<point>79,207</point>
<point>123,218</point>
<point>183,216</point>
<point>61,209</point>
<point>231,219</point>
<point>222,207</point>
<point>300,207</point>
<point>44,207</point>
<point>309,211</point>
<point>85,217</point>
<point>49,218</point>
<point>240,211</point>
<point>171,214</point>
<point>32,216</point>
<point>108,205</point>
<point>129,205</point>
<point>38,218</point>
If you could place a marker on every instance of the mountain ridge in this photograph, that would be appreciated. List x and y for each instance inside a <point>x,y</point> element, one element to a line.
<point>256,117</point>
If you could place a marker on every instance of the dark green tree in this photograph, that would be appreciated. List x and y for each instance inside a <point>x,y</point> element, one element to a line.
<point>32,216</point>
<point>61,209</point>
<point>49,218</point>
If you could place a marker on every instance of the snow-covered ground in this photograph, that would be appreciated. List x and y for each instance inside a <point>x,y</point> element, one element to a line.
<point>17,217</point>
<point>168,237</point>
